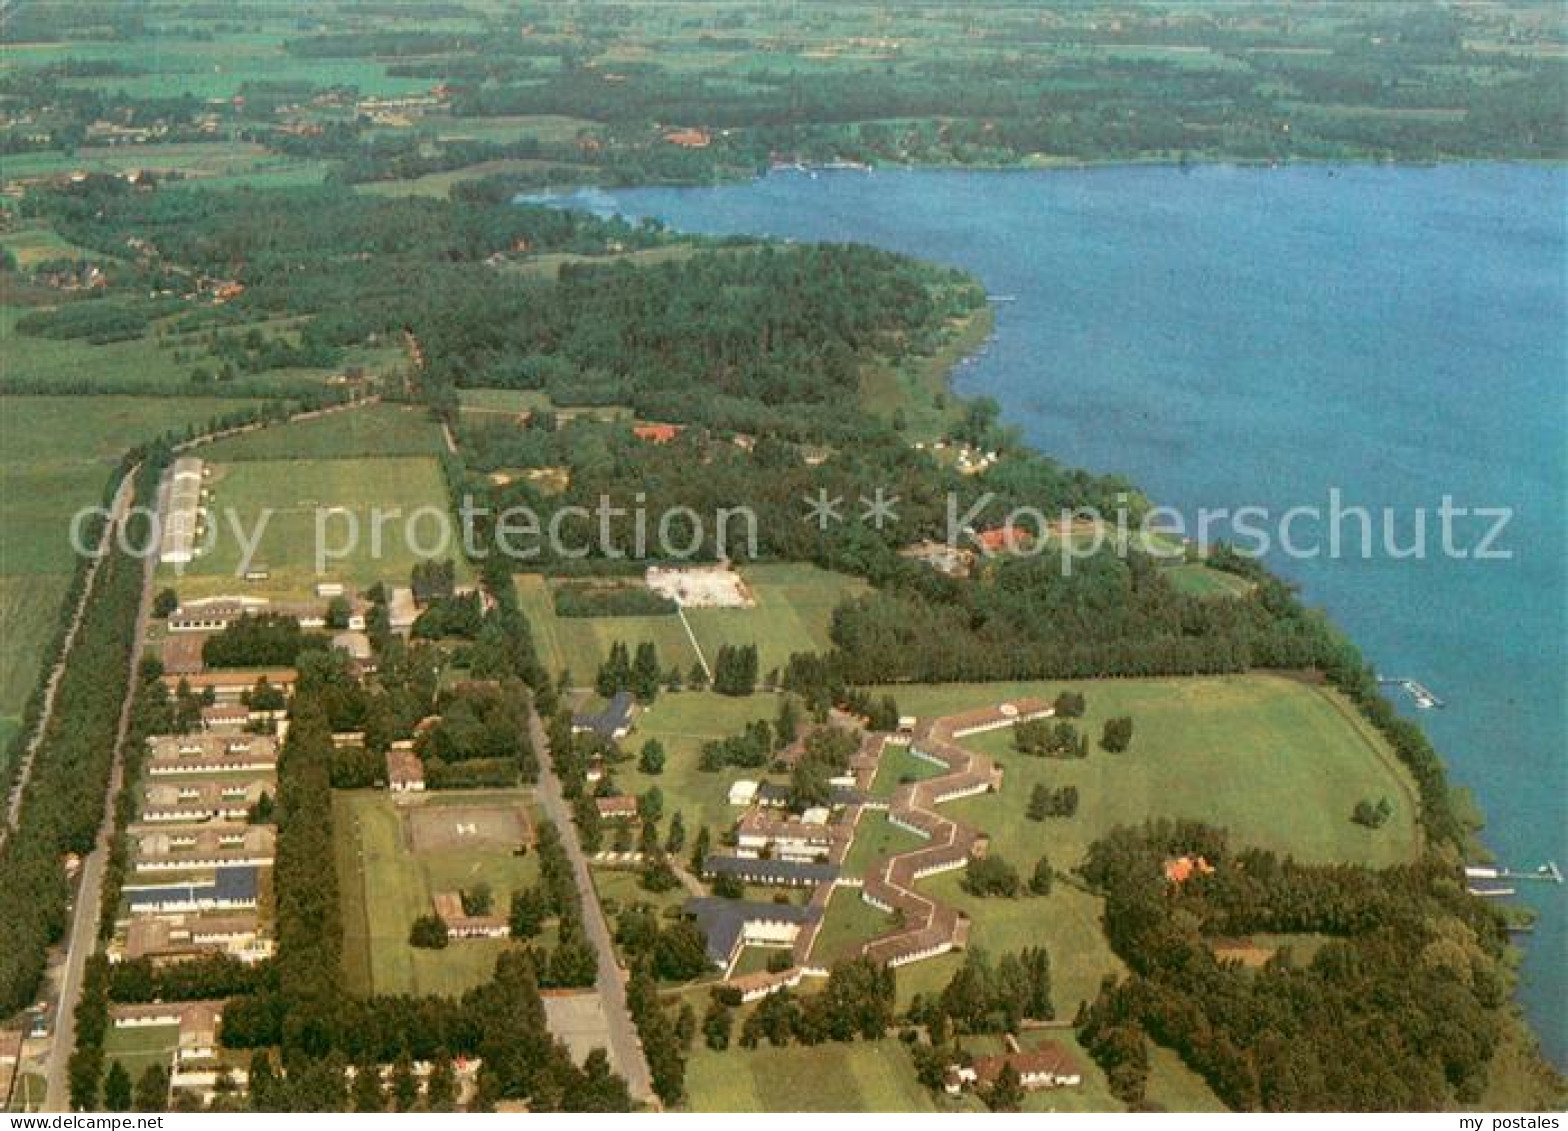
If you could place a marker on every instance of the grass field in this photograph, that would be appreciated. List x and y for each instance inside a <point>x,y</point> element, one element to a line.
<point>897,766</point>
<point>1279,762</point>
<point>875,837</point>
<point>683,722</point>
<point>139,1049</point>
<point>371,430</point>
<point>386,886</point>
<point>139,365</point>
<point>581,644</point>
<point>1201,581</point>
<point>794,610</point>
<point>848,922</point>
<point>56,454</point>
<point>298,496</point>
<point>863,1076</point>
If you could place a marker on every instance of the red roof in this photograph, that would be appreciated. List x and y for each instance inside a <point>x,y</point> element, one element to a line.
<point>656,433</point>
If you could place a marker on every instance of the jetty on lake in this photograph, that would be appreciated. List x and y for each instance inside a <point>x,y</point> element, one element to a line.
<point>1417,691</point>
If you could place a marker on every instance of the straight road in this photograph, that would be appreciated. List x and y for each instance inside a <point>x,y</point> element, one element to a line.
<point>83,938</point>
<point>625,1046</point>
<point>117,512</point>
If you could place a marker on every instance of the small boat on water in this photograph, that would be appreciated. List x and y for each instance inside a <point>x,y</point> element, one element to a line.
<point>1492,893</point>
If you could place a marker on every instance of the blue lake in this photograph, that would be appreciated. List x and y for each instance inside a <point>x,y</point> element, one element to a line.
<point>1231,337</point>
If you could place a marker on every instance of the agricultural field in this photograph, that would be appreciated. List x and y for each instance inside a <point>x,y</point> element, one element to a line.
<point>369,430</point>
<point>793,612</point>
<point>387,882</point>
<point>56,454</point>
<point>295,497</point>
<point>580,644</point>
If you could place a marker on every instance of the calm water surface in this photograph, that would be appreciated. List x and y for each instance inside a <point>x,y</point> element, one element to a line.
<point>1246,336</point>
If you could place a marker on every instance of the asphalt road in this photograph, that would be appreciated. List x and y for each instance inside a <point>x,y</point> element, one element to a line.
<point>83,938</point>
<point>625,1046</point>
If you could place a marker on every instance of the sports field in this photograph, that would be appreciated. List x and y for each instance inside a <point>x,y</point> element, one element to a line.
<point>387,882</point>
<point>340,497</point>
<point>793,612</point>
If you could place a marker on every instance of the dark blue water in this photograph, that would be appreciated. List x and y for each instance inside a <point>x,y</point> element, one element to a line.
<point>1247,336</point>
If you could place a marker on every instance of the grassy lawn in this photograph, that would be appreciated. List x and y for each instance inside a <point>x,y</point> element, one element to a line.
<point>140,1048</point>
<point>875,837</point>
<point>1201,581</point>
<point>849,921</point>
<point>373,430</point>
<point>1278,762</point>
<point>29,608</point>
<point>581,644</point>
<point>386,886</point>
<point>301,494</point>
<point>503,400</point>
<point>863,1076</point>
<point>919,388</point>
<point>683,722</point>
<point>794,610</point>
<point>898,766</point>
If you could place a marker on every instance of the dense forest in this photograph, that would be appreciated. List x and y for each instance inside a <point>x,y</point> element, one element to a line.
<point>1409,974</point>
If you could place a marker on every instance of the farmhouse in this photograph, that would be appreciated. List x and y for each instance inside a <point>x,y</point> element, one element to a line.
<point>230,889</point>
<point>211,754</point>
<point>214,614</point>
<point>656,433</point>
<point>405,772</point>
<point>614,722</point>
<point>770,873</point>
<point>728,925</point>
<point>742,793</point>
<point>1047,1066</point>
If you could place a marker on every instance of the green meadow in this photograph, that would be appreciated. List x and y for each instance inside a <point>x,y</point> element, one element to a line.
<point>289,500</point>
<point>386,886</point>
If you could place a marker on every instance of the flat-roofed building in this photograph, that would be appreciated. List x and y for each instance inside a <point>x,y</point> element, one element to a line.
<point>182,512</point>
<point>182,848</point>
<point>169,801</point>
<point>229,889</point>
<point>206,754</point>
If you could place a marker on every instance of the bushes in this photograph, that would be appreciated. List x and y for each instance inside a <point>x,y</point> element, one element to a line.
<point>991,876</point>
<point>428,932</point>
<point>261,640</point>
<point>590,600</point>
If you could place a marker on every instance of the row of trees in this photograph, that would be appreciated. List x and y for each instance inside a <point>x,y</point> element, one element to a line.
<point>62,805</point>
